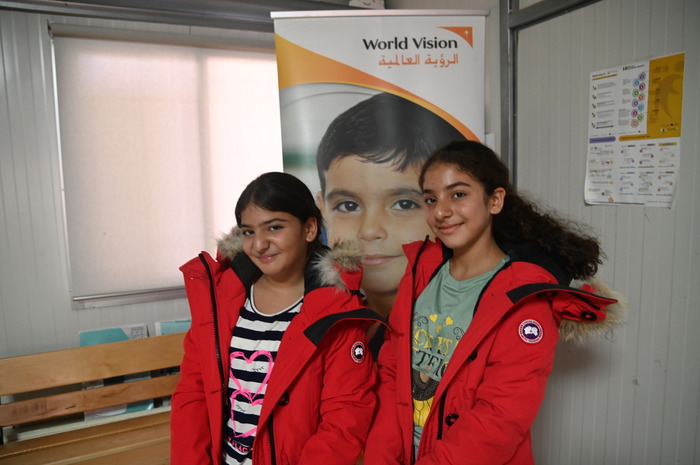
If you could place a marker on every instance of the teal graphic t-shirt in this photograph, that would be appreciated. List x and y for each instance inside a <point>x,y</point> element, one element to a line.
<point>441,316</point>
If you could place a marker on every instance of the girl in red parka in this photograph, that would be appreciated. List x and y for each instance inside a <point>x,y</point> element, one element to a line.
<point>275,369</point>
<point>477,318</point>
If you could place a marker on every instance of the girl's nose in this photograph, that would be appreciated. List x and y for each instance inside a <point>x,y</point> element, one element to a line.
<point>442,209</point>
<point>260,243</point>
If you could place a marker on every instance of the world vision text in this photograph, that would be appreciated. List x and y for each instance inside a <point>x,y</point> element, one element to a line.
<point>422,43</point>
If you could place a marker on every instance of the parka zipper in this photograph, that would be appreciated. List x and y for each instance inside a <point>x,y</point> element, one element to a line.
<point>217,338</point>
<point>414,268</point>
<point>271,429</point>
<point>441,414</point>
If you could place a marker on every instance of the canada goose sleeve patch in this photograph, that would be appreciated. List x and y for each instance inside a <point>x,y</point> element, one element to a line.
<point>530,331</point>
<point>358,352</point>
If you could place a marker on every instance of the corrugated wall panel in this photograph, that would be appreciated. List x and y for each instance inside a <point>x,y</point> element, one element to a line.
<point>35,302</point>
<point>633,399</point>
<point>29,206</point>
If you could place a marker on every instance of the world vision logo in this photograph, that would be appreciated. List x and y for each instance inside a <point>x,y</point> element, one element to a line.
<point>464,32</point>
<point>422,43</point>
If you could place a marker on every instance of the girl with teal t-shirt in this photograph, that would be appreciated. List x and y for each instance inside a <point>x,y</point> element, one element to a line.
<point>477,318</point>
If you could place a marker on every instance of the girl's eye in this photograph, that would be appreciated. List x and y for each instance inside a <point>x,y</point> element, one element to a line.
<point>347,206</point>
<point>459,195</point>
<point>275,227</point>
<point>429,200</point>
<point>247,232</point>
<point>405,204</point>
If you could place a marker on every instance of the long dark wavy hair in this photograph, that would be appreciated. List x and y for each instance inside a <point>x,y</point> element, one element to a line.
<point>521,220</point>
<point>281,192</point>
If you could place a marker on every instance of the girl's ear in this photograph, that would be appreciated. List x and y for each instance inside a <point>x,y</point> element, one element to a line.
<point>311,229</point>
<point>496,200</point>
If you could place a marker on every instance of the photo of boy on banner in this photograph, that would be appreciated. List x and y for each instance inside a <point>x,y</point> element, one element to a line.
<point>368,163</point>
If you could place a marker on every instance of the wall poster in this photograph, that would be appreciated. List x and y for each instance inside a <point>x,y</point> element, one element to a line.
<point>634,133</point>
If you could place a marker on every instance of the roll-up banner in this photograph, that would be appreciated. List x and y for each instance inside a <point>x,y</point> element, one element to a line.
<point>365,98</point>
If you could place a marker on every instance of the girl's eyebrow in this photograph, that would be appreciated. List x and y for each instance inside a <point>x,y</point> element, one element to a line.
<point>459,184</point>
<point>449,187</point>
<point>265,223</point>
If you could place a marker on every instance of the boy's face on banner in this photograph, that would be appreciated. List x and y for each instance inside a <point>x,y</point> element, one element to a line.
<point>381,207</point>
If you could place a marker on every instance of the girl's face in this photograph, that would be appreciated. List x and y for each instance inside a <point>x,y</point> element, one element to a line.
<point>277,242</point>
<point>458,210</point>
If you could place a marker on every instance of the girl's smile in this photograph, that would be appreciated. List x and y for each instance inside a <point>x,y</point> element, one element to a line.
<point>447,229</point>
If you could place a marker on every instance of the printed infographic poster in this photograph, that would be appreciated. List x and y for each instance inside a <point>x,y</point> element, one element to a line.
<point>634,133</point>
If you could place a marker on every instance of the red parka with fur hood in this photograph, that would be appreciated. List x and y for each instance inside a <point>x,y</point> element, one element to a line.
<point>319,399</point>
<point>487,399</point>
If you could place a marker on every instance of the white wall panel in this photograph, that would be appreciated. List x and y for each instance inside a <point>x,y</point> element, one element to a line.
<point>633,399</point>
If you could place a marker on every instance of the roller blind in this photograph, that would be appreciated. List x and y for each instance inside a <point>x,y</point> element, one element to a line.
<point>157,142</point>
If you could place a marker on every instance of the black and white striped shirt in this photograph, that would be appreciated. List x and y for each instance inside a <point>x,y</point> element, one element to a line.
<point>254,344</point>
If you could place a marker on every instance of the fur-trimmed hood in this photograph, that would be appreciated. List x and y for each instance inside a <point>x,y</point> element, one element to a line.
<point>338,267</point>
<point>581,332</point>
<point>587,309</point>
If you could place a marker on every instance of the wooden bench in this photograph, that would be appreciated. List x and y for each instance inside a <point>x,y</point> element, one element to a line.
<point>48,387</point>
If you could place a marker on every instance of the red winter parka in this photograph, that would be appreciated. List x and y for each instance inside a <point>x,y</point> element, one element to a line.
<point>319,400</point>
<point>488,397</point>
